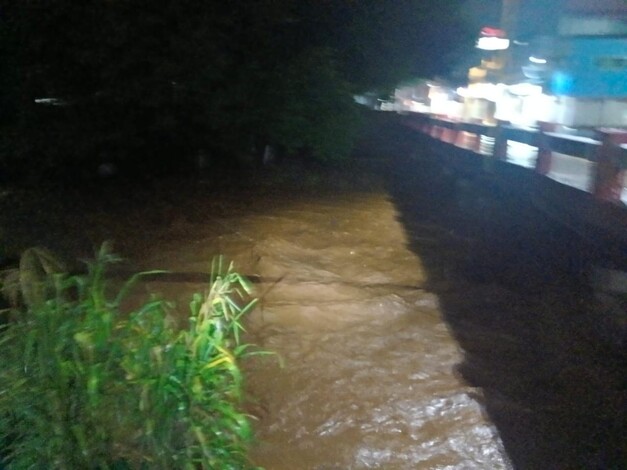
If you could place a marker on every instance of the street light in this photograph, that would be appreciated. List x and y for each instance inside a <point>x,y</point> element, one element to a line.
<point>492,44</point>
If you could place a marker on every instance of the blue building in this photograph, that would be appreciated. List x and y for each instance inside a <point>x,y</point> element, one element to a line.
<point>590,67</point>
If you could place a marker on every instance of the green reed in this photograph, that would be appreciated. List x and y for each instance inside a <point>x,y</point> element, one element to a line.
<point>86,383</point>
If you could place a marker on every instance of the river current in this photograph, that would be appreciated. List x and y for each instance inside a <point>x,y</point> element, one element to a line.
<point>368,365</point>
<point>418,322</point>
<point>408,336</point>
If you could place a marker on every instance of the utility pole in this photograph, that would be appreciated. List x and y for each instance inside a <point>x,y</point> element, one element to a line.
<point>509,23</point>
<point>509,17</point>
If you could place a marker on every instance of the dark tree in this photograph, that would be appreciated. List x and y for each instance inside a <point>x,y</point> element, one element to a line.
<point>152,83</point>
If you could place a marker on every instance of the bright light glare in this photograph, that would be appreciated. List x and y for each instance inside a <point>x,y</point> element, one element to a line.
<point>487,91</point>
<point>50,101</point>
<point>537,60</point>
<point>492,44</point>
<point>525,89</point>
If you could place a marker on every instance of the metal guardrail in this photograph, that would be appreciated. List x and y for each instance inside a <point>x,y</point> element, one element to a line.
<point>604,149</point>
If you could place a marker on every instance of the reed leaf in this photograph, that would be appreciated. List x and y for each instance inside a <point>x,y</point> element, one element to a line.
<point>85,384</point>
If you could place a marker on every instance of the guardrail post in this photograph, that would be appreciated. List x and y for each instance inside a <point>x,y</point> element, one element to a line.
<point>500,142</point>
<point>610,170</point>
<point>465,140</point>
<point>436,131</point>
<point>471,141</point>
<point>475,142</point>
<point>449,133</point>
<point>468,137</point>
<point>460,140</point>
<point>545,154</point>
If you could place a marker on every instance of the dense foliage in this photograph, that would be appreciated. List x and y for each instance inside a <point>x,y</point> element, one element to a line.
<point>153,82</point>
<point>89,382</point>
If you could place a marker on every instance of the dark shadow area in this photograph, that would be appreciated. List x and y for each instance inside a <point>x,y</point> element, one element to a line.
<point>545,351</point>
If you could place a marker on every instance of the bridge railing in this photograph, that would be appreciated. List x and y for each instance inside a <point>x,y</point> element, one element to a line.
<point>592,160</point>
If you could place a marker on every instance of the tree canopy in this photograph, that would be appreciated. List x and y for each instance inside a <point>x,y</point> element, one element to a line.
<point>151,81</point>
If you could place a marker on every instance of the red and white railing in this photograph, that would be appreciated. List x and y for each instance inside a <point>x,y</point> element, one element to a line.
<point>591,160</point>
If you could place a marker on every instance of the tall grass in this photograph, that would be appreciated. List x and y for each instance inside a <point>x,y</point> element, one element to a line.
<point>85,384</point>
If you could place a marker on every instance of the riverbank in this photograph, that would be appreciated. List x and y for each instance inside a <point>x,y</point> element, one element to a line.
<point>546,348</point>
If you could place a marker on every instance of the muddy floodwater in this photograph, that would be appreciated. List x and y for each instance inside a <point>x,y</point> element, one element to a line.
<point>404,343</point>
<point>368,377</point>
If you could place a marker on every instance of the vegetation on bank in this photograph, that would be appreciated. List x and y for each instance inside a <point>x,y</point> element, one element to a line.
<point>153,86</point>
<point>89,382</point>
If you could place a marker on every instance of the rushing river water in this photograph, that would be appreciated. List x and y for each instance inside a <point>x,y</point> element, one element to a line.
<point>368,379</point>
<point>405,343</point>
